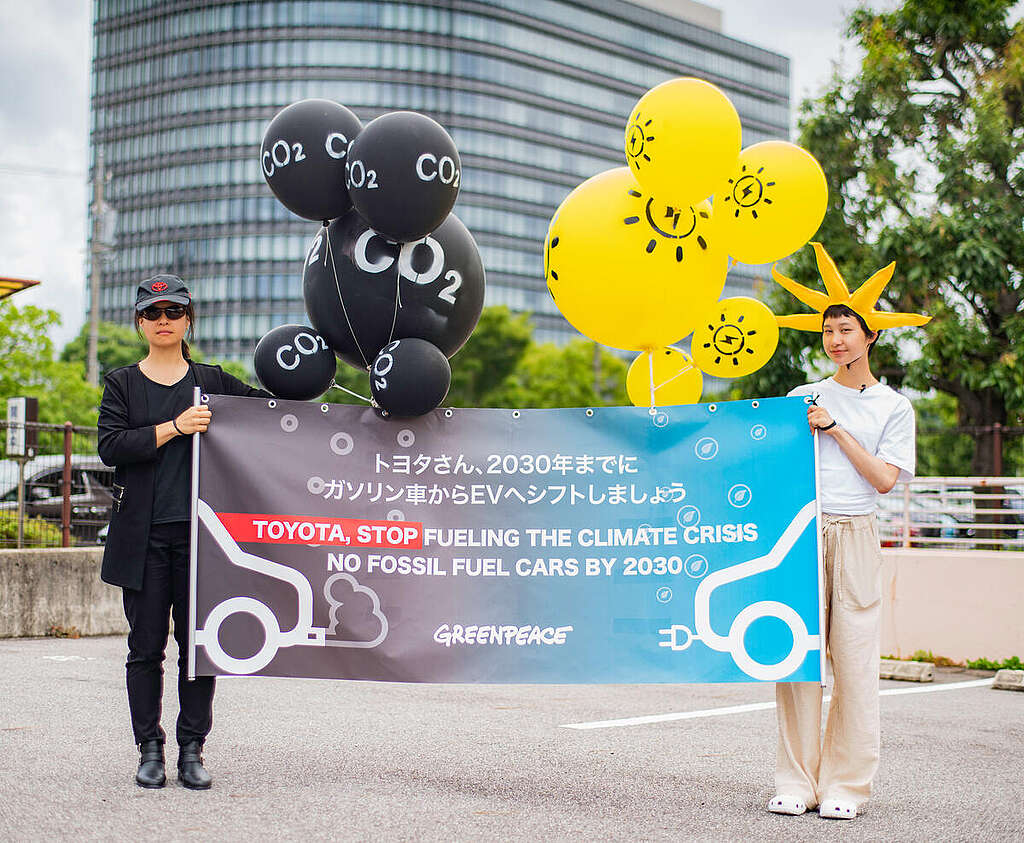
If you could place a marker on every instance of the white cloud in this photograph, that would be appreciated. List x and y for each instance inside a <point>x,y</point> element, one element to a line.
<point>44,108</point>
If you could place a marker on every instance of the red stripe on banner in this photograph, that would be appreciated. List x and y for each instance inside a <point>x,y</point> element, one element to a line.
<point>342,532</point>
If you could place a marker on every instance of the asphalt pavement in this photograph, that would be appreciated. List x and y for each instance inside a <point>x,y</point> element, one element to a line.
<point>309,759</point>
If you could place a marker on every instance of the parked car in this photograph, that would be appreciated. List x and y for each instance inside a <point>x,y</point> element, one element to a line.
<point>91,492</point>
<point>927,521</point>
<point>951,512</point>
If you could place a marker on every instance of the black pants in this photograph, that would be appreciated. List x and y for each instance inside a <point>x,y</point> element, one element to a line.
<point>164,592</point>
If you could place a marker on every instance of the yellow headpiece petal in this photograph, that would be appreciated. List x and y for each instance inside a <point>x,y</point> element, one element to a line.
<point>862,301</point>
<point>834,283</point>
<point>812,298</point>
<point>801,321</point>
<point>879,319</point>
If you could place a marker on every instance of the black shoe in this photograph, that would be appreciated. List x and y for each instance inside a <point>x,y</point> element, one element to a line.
<point>151,765</point>
<point>191,771</point>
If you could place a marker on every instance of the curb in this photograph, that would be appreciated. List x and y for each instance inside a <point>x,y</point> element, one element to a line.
<point>906,671</point>
<point>1009,680</point>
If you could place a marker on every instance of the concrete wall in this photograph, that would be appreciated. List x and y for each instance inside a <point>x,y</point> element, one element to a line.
<point>61,587</point>
<point>963,604</point>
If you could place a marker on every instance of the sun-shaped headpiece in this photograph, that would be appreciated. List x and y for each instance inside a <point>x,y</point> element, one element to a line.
<point>862,301</point>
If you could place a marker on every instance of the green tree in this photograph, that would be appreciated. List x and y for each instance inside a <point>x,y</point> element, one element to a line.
<point>941,450</point>
<point>579,374</point>
<point>120,345</point>
<point>117,345</point>
<point>923,147</point>
<point>480,369</point>
<point>483,367</point>
<point>501,366</point>
<point>30,367</point>
<point>232,367</point>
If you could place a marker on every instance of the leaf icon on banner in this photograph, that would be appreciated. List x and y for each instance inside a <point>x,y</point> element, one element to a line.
<point>707,447</point>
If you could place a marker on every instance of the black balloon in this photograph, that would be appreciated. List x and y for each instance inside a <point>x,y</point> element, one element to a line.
<point>410,377</point>
<point>303,157</point>
<point>403,174</point>
<point>439,281</point>
<point>294,362</point>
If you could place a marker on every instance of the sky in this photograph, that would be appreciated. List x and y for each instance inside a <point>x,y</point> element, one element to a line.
<point>45,53</point>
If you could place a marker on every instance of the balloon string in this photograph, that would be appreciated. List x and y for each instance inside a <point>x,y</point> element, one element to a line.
<point>341,299</point>
<point>650,375</point>
<point>682,371</point>
<point>398,301</point>
<point>336,385</point>
<point>678,374</point>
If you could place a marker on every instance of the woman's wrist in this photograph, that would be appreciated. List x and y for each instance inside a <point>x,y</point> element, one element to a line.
<point>828,426</point>
<point>174,424</point>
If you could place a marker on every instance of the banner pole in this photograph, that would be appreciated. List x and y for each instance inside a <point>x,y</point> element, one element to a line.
<point>821,563</point>
<point>192,546</point>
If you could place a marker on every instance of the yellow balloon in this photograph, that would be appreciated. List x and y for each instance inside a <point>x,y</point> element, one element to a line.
<point>772,202</point>
<point>627,270</point>
<point>736,336</point>
<point>676,379</point>
<point>682,139</point>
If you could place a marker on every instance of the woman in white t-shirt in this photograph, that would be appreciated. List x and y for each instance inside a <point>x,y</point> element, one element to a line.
<point>866,445</point>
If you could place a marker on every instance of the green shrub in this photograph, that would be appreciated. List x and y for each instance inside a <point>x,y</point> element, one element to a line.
<point>38,532</point>
<point>1012,663</point>
<point>938,661</point>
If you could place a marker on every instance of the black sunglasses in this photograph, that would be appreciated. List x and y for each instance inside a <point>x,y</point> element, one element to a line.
<point>152,313</point>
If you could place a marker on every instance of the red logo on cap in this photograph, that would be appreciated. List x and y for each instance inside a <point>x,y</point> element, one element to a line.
<point>159,286</point>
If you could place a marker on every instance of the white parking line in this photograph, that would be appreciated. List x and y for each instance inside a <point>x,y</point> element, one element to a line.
<point>929,689</point>
<point>763,706</point>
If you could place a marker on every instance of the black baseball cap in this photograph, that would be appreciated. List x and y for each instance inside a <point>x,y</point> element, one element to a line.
<point>161,288</point>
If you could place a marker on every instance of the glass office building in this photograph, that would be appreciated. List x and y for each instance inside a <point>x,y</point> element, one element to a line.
<point>535,93</point>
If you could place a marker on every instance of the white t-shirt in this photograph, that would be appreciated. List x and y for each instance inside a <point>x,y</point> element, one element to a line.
<point>882,421</point>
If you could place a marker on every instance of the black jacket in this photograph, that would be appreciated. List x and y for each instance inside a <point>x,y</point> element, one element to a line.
<point>128,444</point>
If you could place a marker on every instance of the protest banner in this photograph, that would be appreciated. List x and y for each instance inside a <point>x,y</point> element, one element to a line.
<point>569,546</point>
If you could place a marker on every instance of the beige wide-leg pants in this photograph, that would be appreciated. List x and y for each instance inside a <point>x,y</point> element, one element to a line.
<point>842,766</point>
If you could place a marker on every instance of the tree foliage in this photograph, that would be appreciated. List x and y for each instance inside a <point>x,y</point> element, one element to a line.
<point>501,366</point>
<point>118,345</point>
<point>30,367</point>
<point>579,374</point>
<point>923,147</point>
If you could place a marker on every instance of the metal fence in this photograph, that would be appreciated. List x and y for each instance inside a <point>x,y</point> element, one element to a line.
<point>985,513</point>
<point>59,494</point>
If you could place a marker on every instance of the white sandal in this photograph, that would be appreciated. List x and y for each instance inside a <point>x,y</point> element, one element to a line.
<point>837,809</point>
<point>782,803</point>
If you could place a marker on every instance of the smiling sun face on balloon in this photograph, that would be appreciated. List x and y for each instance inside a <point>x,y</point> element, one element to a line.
<point>658,229</point>
<point>628,269</point>
<point>666,222</point>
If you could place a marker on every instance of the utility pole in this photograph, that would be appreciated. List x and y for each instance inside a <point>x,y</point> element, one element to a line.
<point>96,249</point>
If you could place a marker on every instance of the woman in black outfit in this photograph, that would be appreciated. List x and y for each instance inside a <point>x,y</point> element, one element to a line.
<point>145,421</point>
